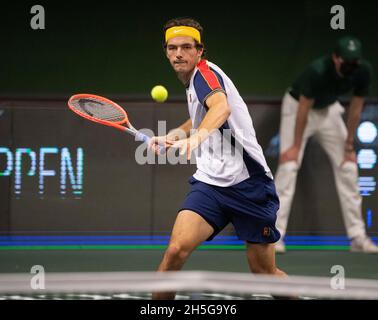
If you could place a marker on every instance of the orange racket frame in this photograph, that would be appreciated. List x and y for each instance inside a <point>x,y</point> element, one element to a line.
<point>120,125</point>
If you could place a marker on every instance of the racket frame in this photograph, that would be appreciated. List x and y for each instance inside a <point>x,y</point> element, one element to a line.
<point>120,125</point>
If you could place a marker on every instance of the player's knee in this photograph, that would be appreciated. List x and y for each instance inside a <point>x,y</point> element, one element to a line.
<point>177,252</point>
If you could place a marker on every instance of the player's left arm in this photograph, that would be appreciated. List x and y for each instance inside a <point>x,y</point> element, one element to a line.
<point>353,119</point>
<point>217,114</point>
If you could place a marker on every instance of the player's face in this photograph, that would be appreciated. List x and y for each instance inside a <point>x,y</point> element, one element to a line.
<point>183,54</point>
<point>337,61</point>
<point>345,68</point>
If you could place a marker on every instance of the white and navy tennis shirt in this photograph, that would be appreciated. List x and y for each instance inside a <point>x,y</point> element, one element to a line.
<point>217,162</point>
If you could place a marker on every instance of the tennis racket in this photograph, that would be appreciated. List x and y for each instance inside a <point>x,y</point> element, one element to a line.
<point>104,111</point>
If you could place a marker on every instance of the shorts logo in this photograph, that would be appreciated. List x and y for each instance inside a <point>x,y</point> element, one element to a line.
<point>266,232</point>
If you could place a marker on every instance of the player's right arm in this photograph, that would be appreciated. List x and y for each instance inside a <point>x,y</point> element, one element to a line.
<point>178,133</point>
<point>304,107</point>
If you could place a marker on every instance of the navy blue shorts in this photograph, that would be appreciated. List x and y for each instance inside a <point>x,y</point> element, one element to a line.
<point>251,206</point>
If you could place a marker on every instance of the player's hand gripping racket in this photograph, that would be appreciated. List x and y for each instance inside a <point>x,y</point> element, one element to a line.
<point>104,111</point>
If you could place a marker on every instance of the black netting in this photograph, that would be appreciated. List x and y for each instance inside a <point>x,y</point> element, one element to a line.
<point>98,109</point>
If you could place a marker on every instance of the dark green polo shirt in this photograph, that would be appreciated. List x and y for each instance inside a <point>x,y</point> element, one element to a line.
<point>319,81</point>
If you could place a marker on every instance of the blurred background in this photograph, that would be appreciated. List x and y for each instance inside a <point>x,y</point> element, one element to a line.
<point>69,183</point>
<point>115,47</point>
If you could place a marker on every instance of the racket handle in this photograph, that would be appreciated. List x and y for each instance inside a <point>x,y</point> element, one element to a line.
<point>139,136</point>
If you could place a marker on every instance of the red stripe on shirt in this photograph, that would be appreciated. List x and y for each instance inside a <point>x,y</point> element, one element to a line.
<point>208,75</point>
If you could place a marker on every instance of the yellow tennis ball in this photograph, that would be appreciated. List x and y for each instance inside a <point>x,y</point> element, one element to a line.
<point>159,93</point>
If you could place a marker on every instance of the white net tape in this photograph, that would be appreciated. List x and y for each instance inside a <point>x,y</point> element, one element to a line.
<point>190,281</point>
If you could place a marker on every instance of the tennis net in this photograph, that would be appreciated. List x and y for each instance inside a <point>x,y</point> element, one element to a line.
<point>199,285</point>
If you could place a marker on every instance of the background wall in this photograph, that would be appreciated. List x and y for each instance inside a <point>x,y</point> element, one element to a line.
<point>114,47</point>
<point>119,196</point>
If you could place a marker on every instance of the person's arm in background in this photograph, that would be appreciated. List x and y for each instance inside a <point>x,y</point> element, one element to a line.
<point>304,107</point>
<point>362,89</point>
<point>354,113</point>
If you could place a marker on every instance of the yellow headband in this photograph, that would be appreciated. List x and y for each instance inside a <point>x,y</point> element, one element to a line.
<point>182,31</point>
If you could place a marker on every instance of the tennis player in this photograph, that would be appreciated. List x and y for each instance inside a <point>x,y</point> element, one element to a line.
<point>222,190</point>
<point>311,108</point>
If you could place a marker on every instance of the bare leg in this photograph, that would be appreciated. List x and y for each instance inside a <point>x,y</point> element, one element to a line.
<point>262,259</point>
<point>189,231</point>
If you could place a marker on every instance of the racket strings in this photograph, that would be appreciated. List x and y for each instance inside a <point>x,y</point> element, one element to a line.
<point>98,109</point>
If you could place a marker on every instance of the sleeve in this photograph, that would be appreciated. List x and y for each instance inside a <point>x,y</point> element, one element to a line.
<point>363,81</point>
<point>308,83</point>
<point>206,82</point>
